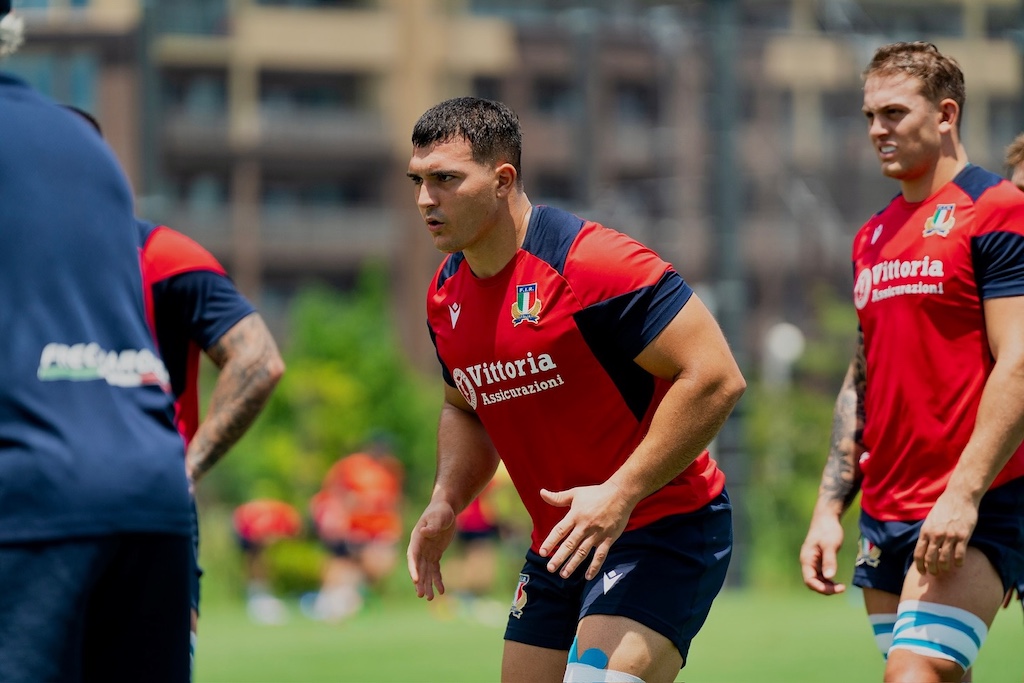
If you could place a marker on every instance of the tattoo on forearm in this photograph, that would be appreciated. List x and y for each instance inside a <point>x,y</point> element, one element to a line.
<point>841,479</point>
<point>250,368</point>
<point>838,482</point>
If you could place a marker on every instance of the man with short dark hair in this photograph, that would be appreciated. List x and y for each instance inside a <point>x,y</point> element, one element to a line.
<point>591,367</point>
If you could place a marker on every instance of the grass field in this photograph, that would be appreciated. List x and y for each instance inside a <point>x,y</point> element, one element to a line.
<point>791,637</point>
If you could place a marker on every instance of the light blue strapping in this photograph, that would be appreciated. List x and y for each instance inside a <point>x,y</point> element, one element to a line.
<point>928,645</point>
<point>918,618</point>
<point>594,657</point>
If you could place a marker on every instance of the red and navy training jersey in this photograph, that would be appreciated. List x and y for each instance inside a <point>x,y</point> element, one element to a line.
<point>190,304</point>
<point>922,271</point>
<point>544,353</point>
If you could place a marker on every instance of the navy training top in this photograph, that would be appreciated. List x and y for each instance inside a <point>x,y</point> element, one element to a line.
<point>87,440</point>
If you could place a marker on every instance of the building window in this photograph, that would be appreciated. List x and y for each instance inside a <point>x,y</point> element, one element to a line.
<point>67,77</point>
<point>487,87</point>
<point>197,93</point>
<point>554,97</point>
<point>552,188</point>
<point>636,103</point>
<point>285,92</point>
<point>342,4</point>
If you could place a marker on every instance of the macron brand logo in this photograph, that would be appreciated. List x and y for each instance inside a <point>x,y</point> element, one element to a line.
<point>877,233</point>
<point>454,310</point>
<point>610,579</point>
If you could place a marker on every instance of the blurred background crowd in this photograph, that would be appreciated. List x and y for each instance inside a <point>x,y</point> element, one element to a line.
<point>726,134</point>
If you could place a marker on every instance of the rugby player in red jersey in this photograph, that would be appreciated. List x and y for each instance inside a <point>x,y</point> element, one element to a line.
<point>930,417</point>
<point>589,365</point>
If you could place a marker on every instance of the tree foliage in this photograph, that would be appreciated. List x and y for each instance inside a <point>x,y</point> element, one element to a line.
<point>347,382</point>
<point>788,438</point>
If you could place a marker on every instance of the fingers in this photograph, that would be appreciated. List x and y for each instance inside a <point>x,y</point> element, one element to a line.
<point>569,556</point>
<point>600,555</point>
<point>424,561</point>
<point>815,575</point>
<point>558,532</point>
<point>935,554</point>
<point>559,499</point>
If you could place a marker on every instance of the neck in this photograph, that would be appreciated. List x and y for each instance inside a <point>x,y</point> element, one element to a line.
<point>949,165</point>
<point>488,257</point>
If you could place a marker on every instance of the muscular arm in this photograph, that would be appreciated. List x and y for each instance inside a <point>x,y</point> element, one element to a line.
<point>693,354</point>
<point>466,461</point>
<point>466,458</point>
<point>840,481</point>
<point>706,384</point>
<point>998,431</point>
<point>250,367</point>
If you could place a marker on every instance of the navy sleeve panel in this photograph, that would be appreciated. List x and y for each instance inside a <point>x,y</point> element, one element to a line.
<point>975,180</point>
<point>444,368</point>
<point>198,307</point>
<point>451,266</point>
<point>551,234</point>
<point>998,264</point>
<point>618,329</point>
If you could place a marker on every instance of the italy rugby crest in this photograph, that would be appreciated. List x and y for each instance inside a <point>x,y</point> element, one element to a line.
<point>868,553</point>
<point>519,600</point>
<point>527,305</point>
<point>941,222</point>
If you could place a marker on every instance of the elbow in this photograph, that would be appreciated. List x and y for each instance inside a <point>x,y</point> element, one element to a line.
<point>729,386</point>
<point>733,386</point>
<point>274,369</point>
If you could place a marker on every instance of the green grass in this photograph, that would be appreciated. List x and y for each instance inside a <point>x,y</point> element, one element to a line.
<point>791,637</point>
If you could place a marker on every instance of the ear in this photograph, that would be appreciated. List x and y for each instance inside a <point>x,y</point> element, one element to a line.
<point>506,176</point>
<point>949,113</point>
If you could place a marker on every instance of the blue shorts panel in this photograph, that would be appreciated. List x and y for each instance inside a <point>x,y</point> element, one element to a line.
<point>105,608</point>
<point>887,548</point>
<point>489,534</point>
<point>342,548</point>
<point>664,576</point>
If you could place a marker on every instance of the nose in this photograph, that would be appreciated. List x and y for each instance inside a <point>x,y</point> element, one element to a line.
<point>424,198</point>
<point>877,128</point>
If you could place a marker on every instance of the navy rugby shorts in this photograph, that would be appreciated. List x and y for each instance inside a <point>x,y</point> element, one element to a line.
<point>886,549</point>
<point>109,608</point>
<point>664,575</point>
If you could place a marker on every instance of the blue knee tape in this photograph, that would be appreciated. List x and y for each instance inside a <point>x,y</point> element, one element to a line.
<point>593,657</point>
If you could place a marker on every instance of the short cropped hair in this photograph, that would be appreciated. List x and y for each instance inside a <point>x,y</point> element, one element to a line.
<point>491,129</point>
<point>1015,151</point>
<point>940,75</point>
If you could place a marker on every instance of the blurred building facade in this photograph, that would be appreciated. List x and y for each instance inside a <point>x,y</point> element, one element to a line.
<point>277,132</point>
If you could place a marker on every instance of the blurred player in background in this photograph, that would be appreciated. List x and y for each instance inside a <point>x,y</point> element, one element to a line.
<point>258,524</point>
<point>94,513</point>
<point>357,514</point>
<point>481,528</point>
<point>589,365</point>
<point>930,417</point>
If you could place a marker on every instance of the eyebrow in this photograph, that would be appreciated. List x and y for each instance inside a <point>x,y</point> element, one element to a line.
<point>436,172</point>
